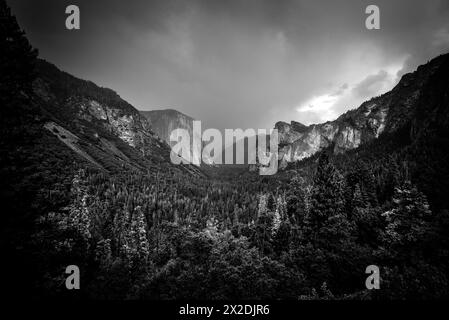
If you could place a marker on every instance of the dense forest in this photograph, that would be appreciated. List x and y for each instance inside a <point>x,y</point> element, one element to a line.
<point>308,232</point>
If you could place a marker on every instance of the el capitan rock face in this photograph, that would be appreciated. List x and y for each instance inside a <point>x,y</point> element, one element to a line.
<point>385,113</point>
<point>163,122</point>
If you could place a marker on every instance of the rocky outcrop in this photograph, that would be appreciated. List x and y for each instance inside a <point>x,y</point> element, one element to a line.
<point>130,127</point>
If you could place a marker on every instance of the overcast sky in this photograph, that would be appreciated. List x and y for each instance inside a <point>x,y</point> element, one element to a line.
<point>240,64</point>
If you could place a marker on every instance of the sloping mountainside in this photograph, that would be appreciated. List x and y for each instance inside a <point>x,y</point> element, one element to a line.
<point>163,122</point>
<point>382,114</point>
<point>96,124</point>
<point>401,135</point>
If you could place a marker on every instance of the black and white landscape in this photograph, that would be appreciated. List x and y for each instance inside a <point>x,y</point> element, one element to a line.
<point>87,181</point>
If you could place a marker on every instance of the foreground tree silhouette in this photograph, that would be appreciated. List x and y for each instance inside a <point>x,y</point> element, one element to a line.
<point>17,134</point>
<point>409,221</point>
<point>17,57</point>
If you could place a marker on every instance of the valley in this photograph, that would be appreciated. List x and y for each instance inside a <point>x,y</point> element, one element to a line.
<point>87,180</point>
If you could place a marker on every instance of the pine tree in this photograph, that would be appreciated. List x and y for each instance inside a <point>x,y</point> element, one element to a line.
<point>263,226</point>
<point>17,57</point>
<point>262,206</point>
<point>135,245</point>
<point>79,216</point>
<point>408,222</point>
<point>120,226</point>
<point>296,207</point>
<point>276,222</point>
<point>279,214</point>
<point>366,218</point>
<point>139,234</point>
<point>327,193</point>
<point>103,253</point>
<point>271,203</point>
<point>327,221</point>
<point>281,228</point>
<point>358,201</point>
<point>211,228</point>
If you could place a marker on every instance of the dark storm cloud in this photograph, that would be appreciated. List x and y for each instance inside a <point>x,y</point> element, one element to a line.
<point>245,63</point>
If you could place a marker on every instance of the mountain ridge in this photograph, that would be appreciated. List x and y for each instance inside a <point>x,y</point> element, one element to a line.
<point>164,121</point>
<point>385,113</point>
<point>103,128</point>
